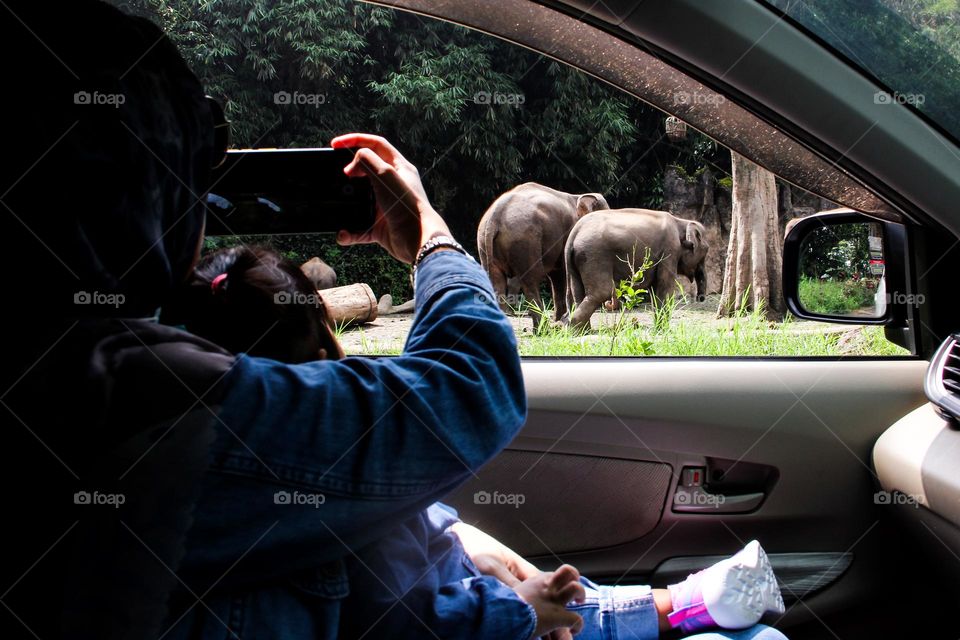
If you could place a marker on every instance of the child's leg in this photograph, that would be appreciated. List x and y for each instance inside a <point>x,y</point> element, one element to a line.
<point>638,612</point>
<point>664,603</point>
<point>732,594</point>
<point>618,612</point>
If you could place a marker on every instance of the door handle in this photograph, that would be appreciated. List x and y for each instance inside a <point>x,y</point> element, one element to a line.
<point>725,492</point>
<point>696,499</point>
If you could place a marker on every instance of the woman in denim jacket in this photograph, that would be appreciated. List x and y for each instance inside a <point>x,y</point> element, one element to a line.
<point>156,461</point>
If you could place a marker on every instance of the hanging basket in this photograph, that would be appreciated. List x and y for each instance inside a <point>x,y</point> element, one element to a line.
<point>676,128</point>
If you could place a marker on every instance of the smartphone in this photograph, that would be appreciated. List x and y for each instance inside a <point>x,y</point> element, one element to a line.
<point>286,191</point>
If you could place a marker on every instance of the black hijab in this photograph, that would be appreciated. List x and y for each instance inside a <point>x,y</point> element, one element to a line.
<point>108,147</point>
<point>106,142</point>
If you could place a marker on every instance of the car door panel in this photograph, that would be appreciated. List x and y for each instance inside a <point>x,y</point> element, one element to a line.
<point>599,461</point>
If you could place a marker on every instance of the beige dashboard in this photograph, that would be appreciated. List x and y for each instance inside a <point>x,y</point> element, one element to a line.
<point>917,462</point>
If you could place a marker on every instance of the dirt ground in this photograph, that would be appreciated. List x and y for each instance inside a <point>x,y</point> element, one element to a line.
<point>388,332</point>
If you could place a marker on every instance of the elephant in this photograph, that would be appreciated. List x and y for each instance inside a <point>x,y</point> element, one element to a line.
<point>521,237</point>
<point>601,245</point>
<point>320,273</point>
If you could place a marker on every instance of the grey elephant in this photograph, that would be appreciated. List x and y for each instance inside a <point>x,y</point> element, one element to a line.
<point>602,245</point>
<point>521,237</point>
<point>320,273</point>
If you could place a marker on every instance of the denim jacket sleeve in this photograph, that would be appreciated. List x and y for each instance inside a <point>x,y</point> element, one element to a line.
<point>419,582</point>
<point>475,608</point>
<point>315,460</point>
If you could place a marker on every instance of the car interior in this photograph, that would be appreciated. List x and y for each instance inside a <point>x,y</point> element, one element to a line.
<point>645,469</point>
<point>815,457</point>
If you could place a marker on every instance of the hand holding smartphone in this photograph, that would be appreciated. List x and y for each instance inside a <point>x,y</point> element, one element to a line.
<point>404,218</point>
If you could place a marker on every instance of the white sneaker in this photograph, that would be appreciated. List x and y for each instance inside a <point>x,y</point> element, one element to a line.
<point>732,594</point>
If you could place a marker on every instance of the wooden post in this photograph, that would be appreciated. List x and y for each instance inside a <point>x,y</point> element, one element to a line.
<point>353,303</point>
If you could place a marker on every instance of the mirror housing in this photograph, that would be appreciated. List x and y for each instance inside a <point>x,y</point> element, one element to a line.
<point>892,271</point>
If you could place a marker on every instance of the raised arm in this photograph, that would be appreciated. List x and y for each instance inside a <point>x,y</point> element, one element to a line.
<point>327,455</point>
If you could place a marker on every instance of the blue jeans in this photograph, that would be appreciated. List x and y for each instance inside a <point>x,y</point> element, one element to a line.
<point>628,612</point>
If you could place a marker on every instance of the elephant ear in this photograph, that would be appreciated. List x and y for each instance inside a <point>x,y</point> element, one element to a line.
<point>693,236</point>
<point>590,202</point>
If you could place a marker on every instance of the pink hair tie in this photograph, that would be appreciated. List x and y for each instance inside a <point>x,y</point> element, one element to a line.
<point>215,283</point>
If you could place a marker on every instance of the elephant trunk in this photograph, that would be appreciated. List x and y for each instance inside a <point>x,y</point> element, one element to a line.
<point>700,276</point>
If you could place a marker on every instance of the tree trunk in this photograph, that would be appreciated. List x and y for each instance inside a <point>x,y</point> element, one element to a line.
<point>752,274</point>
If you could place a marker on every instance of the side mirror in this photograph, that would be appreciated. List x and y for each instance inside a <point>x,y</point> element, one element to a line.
<point>842,266</point>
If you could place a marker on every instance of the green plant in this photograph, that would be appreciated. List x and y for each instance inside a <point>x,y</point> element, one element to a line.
<point>748,334</point>
<point>340,328</point>
<point>541,315</point>
<point>687,176</point>
<point>515,306</point>
<point>838,252</point>
<point>693,332</point>
<point>654,191</point>
<point>836,297</point>
<point>663,311</point>
<point>629,292</point>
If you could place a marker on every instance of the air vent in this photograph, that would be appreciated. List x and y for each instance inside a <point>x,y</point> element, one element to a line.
<point>942,384</point>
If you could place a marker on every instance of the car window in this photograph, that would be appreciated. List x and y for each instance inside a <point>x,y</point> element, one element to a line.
<point>480,118</point>
<point>910,46</point>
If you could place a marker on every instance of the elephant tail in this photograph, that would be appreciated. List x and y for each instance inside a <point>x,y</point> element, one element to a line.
<point>485,244</point>
<point>575,292</point>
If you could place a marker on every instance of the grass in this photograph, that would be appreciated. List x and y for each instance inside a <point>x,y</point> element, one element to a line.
<point>835,297</point>
<point>675,327</point>
<point>678,331</point>
<point>372,347</point>
<point>746,335</point>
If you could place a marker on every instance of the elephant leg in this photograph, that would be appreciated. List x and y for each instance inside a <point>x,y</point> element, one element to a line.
<point>558,285</point>
<point>598,288</point>
<point>580,318</point>
<point>499,281</point>
<point>524,259</point>
<point>665,283</point>
<point>531,291</point>
<point>700,278</point>
<point>575,292</point>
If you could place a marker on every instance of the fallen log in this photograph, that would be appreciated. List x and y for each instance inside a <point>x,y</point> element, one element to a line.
<point>350,304</point>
